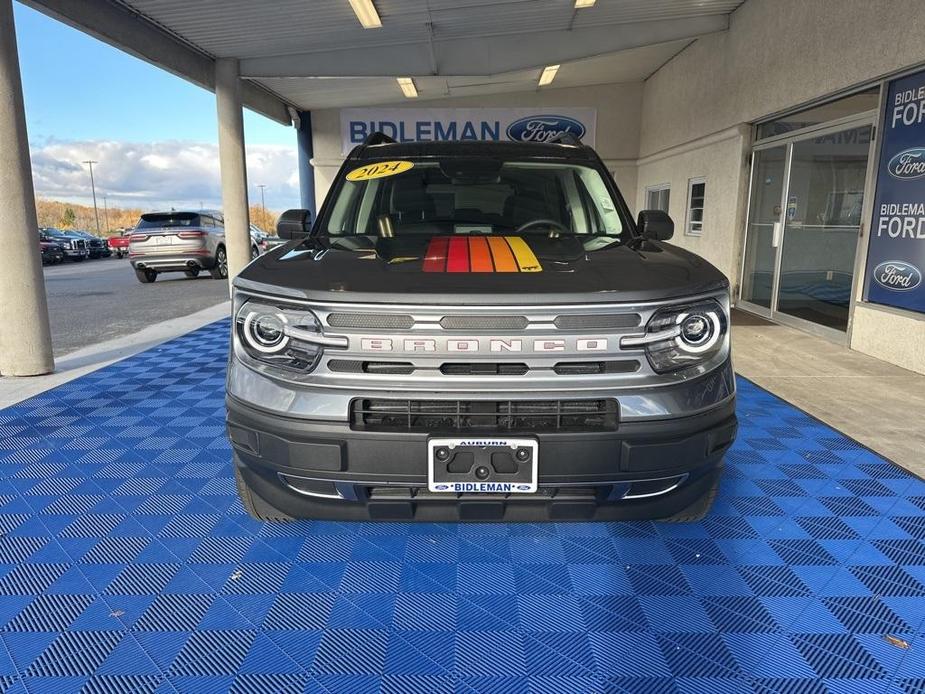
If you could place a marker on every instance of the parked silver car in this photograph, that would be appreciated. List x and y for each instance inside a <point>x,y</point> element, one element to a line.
<point>179,241</point>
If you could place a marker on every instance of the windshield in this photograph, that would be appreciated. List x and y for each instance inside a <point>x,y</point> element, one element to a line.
<point>173,219</point>
<point>472,195</point>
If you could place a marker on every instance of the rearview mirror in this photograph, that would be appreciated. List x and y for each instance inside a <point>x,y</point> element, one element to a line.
<point>294,224</point>
<point>655,225</point>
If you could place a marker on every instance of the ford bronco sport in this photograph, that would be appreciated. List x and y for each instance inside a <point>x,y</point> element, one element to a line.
<point>479,331</point>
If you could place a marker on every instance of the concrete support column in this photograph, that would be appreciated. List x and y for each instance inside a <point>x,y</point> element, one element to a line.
<point>232,164</point>
<point>25,336</point>
<point>306,170</point>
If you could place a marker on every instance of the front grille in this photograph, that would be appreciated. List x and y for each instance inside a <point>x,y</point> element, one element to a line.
<point>385,321</point>
<point>357,366</point>
<point>483,415</point>
<point>585,368</point>
<point>483,369</point>
<point>404,321</point>
<point>484,322</point>
<point>491,368</point>
<point>601,322</point>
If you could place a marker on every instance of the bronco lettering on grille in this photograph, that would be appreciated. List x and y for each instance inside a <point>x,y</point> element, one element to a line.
<point>488,344</point>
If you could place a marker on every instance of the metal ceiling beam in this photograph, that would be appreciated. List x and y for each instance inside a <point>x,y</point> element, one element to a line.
<point>135,34</point>
<point>480,55</point>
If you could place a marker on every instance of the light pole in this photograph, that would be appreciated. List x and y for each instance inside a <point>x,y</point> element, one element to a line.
<point>263,204</point>
<point>96,212</point>
<point>106,213</point>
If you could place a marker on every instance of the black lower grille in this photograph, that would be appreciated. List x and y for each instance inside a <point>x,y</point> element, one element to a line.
<point>357,366</point>
<point>584,368</point>
<point>483,369</point>
<point>484,415</point>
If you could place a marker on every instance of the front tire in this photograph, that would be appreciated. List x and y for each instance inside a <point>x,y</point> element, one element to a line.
<point>146,276</point>
<point>220,270</point>
<point>256,507</point>
<point>192,274</point>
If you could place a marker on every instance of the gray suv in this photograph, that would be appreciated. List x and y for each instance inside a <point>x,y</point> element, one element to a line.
<point>479,331</point>
<point>179,241</point>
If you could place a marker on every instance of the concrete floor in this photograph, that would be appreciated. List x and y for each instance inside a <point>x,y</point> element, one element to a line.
<point>875,403</point>
<point>100,300</point>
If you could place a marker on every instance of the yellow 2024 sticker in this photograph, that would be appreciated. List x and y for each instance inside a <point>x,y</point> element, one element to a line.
<point>380,169</point>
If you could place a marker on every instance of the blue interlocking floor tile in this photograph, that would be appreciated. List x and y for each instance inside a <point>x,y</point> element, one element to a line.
<point>128,565</point>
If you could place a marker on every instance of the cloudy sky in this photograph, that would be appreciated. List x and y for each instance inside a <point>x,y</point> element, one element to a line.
<point>153,134</point>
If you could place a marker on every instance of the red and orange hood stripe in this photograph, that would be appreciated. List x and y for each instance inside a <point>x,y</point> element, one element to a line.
<point>480,254</point>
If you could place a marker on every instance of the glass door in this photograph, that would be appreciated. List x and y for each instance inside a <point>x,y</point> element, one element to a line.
<point>825,197</point>
<point>765,220</point>
<point>804,218</point>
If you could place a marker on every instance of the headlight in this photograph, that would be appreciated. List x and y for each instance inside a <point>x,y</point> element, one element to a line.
<point>286,337</point>
<point>680,337</point>
<point>265,332</point>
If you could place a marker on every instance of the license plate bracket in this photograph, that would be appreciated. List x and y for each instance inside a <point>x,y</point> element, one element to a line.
<point>491,465</point>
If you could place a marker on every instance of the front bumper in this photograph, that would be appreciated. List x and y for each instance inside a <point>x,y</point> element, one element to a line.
<point>644,469</point>
<point>53,257</point>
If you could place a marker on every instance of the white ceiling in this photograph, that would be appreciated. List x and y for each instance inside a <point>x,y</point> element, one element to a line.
<point>334,92</point>
<point>247,29</point>
<point>314,53</point>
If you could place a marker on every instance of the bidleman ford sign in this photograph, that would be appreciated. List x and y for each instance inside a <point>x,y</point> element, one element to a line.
<point>896,256</point>
<point>441,124</point>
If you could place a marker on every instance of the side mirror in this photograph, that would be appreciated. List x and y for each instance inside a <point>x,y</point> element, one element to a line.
<point>294,224</point>
<point>655,225</point>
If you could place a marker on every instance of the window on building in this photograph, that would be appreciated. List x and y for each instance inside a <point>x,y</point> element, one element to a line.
<point>657,197</point>
<point>867,100</point>
<point>696,190</point>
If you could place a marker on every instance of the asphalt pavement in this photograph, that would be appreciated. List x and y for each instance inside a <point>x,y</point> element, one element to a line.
<point>99,300</point>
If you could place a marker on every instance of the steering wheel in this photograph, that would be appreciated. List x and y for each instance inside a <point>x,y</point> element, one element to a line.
<point>548,222</point>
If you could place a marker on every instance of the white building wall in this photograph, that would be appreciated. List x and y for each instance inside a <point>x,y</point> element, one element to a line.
<point>721,160</point>
<point>618,107</point>
<point>777,55</point>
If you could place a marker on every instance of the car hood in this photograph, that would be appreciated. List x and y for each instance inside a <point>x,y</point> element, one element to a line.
<point>467,269</point>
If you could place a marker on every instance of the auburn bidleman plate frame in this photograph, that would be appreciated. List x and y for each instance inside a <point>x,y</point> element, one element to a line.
<point>490,465</point>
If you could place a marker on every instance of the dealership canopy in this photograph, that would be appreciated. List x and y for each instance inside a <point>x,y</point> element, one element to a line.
<point>316,54</point>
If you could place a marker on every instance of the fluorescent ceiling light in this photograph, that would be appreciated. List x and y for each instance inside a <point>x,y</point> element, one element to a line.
<point>549,74</point>
<point>407,87</point>
<point>582,4</point>
<point>366,13</point>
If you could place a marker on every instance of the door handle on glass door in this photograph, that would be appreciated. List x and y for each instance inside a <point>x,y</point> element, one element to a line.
<point>775,235</point>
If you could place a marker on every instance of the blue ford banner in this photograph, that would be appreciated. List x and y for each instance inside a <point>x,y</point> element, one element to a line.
<point>420,124</point>
<point>896,256</point>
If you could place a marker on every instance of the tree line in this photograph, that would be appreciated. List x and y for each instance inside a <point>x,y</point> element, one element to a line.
<point>70,215</point>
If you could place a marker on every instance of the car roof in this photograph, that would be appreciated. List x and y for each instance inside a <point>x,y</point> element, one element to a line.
<point>500,150</point>
<point>203,211</point>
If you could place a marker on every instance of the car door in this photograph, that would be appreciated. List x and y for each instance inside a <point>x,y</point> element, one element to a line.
<point>218,233</point>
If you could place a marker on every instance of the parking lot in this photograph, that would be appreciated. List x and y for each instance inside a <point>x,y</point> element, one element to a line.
<point>98,300</point>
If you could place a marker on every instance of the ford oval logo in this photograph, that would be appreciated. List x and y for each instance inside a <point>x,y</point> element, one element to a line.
<point>543,128</point>
<point>897,275</point>
<point>908,164</point>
